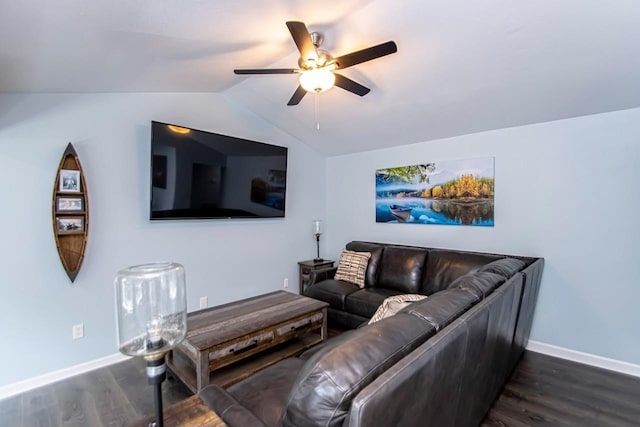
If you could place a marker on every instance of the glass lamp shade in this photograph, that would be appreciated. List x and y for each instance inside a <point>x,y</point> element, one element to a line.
<point>151,302</point>
<point>317,226</point>
<point>317,80</point>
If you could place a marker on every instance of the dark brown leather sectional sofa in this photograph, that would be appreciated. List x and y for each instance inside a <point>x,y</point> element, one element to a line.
<point>438,362</point>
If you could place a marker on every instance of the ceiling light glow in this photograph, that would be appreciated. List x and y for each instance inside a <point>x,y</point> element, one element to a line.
<point>317,80</point>
<point>179,129</point>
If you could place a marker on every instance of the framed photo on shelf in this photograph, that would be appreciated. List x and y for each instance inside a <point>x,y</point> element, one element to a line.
<point>69,204</point>
<point>70,180</point>
<point>70,224</point>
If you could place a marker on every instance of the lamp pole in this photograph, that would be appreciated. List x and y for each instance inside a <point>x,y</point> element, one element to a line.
<point>317,258</point>
<point>156,374</point>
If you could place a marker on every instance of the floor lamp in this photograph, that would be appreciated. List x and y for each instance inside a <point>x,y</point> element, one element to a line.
<point>151,302</point>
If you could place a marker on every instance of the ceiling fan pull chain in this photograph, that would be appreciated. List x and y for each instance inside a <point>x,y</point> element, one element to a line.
<point>318,111</point>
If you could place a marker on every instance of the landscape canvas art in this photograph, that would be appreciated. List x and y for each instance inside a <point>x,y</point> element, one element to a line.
<point>451,192</point>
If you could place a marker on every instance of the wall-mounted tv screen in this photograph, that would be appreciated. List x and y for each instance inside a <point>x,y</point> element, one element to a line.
<point>201,175</point>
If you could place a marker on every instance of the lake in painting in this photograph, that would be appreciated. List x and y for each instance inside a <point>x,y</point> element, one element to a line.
<point>454,192</point>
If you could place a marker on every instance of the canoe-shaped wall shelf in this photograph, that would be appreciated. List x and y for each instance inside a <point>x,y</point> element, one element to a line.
<point>70,212</point>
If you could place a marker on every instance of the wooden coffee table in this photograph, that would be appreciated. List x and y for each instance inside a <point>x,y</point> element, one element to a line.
<point>228,343</point>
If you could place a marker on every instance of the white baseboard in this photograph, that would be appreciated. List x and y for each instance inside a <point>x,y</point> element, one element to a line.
<point>51,377</point>
<point>586,358</point>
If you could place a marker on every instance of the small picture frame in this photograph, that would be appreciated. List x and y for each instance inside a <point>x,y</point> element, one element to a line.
<point>69,181</point>
<point>70,224</point>
<point>69,204</point>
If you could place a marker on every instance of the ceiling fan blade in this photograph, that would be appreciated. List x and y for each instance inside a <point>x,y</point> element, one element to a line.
<point>348,84</point>
<point>365,55</point>
<point>267,71</point>
<point>297,96</point>
<point>302,38</point>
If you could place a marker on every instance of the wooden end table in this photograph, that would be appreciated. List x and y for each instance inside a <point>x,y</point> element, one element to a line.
<point>306,267</point>
<point>228,343</point>
<point>192,412</point>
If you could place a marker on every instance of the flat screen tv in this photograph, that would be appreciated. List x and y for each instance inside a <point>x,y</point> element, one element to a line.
<point>204,175</point>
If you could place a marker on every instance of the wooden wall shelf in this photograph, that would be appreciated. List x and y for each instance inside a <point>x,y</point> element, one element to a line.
<point>70,209</point>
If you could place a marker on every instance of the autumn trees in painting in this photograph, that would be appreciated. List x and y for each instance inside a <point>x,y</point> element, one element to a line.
<point>467,187</point>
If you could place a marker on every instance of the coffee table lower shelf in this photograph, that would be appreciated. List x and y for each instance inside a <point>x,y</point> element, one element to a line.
<point>231,374</point>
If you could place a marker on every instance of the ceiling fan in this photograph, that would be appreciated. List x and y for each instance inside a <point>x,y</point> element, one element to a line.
<point>317,66</point>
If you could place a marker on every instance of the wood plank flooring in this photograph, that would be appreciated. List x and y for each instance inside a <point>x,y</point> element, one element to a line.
<point>543,391</point>
<point>546,391</point>
<point>107,397</point>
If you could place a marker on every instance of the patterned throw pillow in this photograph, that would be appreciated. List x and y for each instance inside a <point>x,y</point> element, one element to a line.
<point>352,267</point>
<point>394,304</point>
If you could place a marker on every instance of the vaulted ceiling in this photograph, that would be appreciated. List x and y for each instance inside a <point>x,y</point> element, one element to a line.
<point>462,66</point>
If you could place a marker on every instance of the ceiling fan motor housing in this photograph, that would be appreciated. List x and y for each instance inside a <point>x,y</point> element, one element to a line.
<point>317,38</point>
<point>323,59</point>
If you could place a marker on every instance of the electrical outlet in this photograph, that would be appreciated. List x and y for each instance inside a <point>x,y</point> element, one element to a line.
<point>286,283</point>
<point>77,331</point>
<point>204,302</point>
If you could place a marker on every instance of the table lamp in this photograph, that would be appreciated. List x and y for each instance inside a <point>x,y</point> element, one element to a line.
<point>317,231</point>
<point>151,304</point>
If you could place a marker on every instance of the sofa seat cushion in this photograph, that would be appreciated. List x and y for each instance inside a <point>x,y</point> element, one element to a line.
<point>344,320</point>
<point>265,393</point>
<point>228,408</point>
<point>365,302</point>
<point>330,378</point>
<point>480,284</point>
<point>402,269</point>
<point>442,308</point>
<point>444,266</point>
<point>332,291</point>
<point>506,267</point>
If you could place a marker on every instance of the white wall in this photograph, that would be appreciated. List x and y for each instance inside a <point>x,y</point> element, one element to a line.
<point>225,260</point>
<point>565,190</point>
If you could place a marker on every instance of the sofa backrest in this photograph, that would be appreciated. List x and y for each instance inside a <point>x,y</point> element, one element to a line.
<point>321,394</point>
<point>442,308</point>
<point>402,269</point>
<point>479,284</point>
<point>413,269</point>
<point>444,266</point>
<point>506,267</point>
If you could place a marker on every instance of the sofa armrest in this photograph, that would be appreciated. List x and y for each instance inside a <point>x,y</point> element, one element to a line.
<point>228,408</point>
<point>317,276</point>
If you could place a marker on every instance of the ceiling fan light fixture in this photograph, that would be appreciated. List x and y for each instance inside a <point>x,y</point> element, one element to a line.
<point>317,80</point>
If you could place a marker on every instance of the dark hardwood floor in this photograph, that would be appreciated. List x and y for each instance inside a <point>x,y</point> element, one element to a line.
<point>546,391</point>
<point>112,396</point>
<point>543,391</point>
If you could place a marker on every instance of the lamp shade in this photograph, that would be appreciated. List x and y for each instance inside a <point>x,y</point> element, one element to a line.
<point>317,80</point>
<point>317,226</point>
<point>151,301</point>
